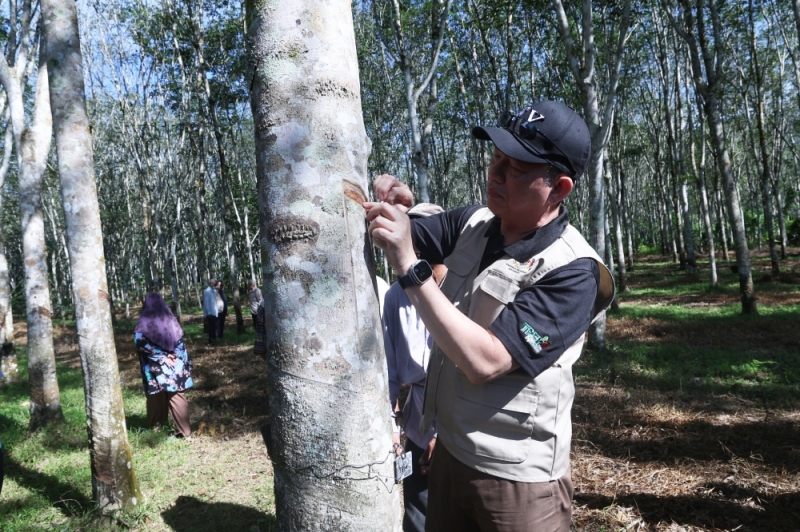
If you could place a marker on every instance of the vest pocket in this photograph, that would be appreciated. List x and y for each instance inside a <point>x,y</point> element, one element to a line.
<point>495,420</point>
<point>500,286</point>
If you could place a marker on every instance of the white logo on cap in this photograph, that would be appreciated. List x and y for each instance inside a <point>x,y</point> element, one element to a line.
<point>535,116</point>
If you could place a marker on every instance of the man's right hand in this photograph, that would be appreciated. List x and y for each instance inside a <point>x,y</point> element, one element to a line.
<point>389,189</point>
<point>390,230</point>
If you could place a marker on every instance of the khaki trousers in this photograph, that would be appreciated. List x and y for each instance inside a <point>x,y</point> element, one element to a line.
<point>465,500</point>
<point>177,405</point>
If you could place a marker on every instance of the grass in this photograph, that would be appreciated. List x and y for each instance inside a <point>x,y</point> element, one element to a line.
<point>219,482</point>
<point>685,335</point>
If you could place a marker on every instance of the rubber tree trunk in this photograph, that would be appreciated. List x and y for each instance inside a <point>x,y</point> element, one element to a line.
<point>700,172</point>
<point>114,484</point>
<point>613,201</point>
<point>766,170</point>
<point>330,436</point>
<point>706,81</point>
<point>688,230</point>
<point>599,118</point>
<point>225,204</point>
<point>746,288</point>
<point>8,355</point>
<point>32,146</point>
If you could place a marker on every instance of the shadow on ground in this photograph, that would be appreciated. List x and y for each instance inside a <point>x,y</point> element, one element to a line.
<point>61,495</point>
<point>750,511</point>
<point>190,514</point>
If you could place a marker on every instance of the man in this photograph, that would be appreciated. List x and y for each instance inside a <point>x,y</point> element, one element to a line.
<point>210,311</point>
<point>508,323</point>
<point>222,310</point>
<point>254,298</point>
<point>408,347</point>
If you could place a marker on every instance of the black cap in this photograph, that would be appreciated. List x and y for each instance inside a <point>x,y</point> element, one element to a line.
<point>546,132</point>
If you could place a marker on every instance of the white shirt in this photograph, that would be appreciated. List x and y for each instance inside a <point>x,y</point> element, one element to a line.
<point>209,302</point>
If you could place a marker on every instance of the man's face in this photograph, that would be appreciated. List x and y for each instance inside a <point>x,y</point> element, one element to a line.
<point>516,190</point>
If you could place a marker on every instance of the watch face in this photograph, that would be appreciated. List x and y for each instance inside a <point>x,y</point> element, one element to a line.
<point>422,270</point>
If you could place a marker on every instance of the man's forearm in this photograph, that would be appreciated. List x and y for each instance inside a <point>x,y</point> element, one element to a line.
<point>479,353</point>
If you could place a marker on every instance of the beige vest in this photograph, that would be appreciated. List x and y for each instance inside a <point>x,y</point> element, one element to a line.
<point>513,427</point>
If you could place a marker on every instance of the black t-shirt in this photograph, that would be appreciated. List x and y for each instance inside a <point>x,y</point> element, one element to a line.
<point>559,306</point>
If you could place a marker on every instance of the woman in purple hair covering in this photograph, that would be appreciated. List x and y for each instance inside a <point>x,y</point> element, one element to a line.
<point>166,369</point>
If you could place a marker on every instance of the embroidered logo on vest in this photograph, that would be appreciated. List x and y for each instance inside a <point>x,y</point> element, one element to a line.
<point>521,267</point>
<point>534,339</point>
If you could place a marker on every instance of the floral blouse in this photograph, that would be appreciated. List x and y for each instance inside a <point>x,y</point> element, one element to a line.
<point>157,375</point>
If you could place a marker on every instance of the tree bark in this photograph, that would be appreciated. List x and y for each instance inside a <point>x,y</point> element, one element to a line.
<point>766,172</point>
<point>114,484</point>
<point>708,77</point>
<point>330,437</point>
<point>32,146</point>
<point>9,365</point>
<point>613,197</point>
<point>700,173</point>
<point>599,123</point>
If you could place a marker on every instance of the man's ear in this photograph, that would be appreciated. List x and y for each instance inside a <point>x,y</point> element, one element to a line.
<point>562,186</point>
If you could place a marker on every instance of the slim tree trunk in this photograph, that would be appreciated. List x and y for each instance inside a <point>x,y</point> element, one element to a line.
<point>330,439</point>
<point>766,171</point>
<point>688,231</point>
<point>622,278</point>
<point>114,484</point>
<point>420,135</point>
<point>32,145</point>
<point>707,81</point>
<point>225,202</point>
<point>8,355</point>
<point>599,118</point>
<point>626,218</point>
<point>723,231</point>
<point>700,172</point>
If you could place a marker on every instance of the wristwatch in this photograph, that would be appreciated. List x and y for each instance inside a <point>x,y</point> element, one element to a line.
<point>419,273</point>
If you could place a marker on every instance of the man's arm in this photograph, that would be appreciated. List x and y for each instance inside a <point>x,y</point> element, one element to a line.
<point>477,352</point>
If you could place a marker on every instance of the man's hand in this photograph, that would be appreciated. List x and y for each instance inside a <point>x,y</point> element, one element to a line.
<point>427,457</point>
<point>390,230</point>
<point>389,189</point>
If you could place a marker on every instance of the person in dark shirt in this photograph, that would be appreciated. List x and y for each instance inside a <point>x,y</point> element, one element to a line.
<point>522,288</point>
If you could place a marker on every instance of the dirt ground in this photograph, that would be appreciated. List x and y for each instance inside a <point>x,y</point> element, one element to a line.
<point>648,460</point>
<point>643,460</point>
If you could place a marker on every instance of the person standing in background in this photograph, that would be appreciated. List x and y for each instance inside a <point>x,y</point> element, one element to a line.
<point>408,348</point>
<point>254,298</point>
<point>210,311</point>
<point>222,310</point>
<point>259,340</point>
<point>166,368</point>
